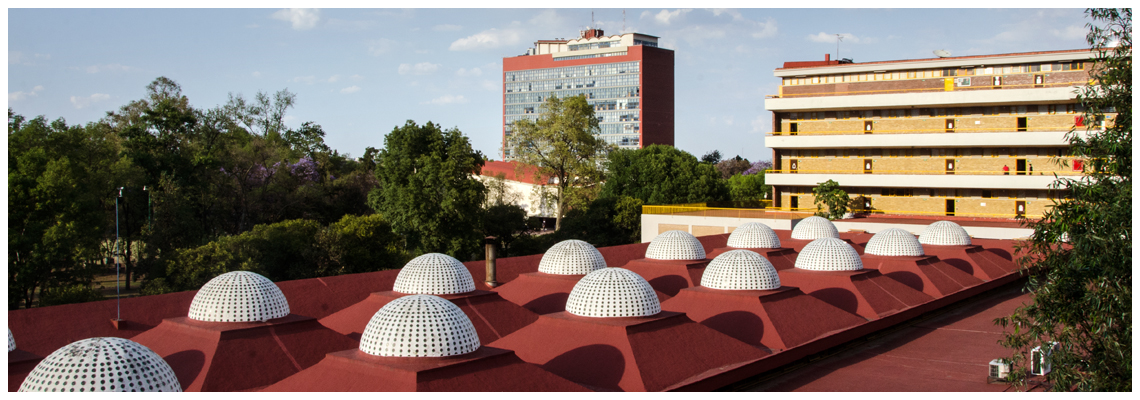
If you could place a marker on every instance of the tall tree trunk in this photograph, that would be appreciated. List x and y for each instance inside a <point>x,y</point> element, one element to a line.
<point>558,210</point>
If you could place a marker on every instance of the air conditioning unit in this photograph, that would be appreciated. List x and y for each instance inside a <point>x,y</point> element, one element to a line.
<point>1041,359</point>
<point>999,370</point>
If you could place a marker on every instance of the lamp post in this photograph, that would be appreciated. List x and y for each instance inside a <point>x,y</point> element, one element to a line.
<point>118,259</point>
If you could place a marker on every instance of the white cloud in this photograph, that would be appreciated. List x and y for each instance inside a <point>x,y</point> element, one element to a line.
<point>469,72</point>
<point>666,17</point>
<point>356,77</point>
<point>488,39</point>
<point>16,57</point>
<point>1071,32</point>
<point>758,125</point>
<point>107,68</point>
<point>308,80</point>
<point>83,102</point>
<point>380,46</point>
<point>823,37</point>
<point>256,74</point>
<point>334,78</point>
<point>490,85</point>
<point>767,29</point>
<point>423,68</point>
<point>446,28</point>
<point>17,96</point>
<point>350,89</point>
<point>301,18</point>
<point>447,99</point>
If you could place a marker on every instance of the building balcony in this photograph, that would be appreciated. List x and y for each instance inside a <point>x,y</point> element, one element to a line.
<point>924,98</point>
<point>918,179</point>
<point>968,137</point>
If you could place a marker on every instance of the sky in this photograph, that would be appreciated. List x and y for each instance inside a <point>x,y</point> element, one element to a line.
<point>359,73</point>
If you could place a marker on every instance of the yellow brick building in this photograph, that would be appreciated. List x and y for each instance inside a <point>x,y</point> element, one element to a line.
<point>975,136</point>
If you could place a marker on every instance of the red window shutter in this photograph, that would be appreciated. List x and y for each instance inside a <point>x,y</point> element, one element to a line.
<point>1078,164</point>
<point>1079,120</point>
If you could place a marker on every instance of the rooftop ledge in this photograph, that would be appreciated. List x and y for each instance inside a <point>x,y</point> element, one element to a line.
<point>924,99</point>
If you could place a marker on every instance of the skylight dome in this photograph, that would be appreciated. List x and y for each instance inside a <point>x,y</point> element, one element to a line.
<point>102,364</point>
<point>753,235</point>
<point>434,273</point>
<point>814,227</point>
<point>571,257</point>
<point>740,270</point>
<point>239,296</point>
<point>894,242</point>
<point>11,341</point>
<point>675,245</point>
<point>419,325</point>
<point>829,254</point>
<point>944,233</point>
<point>613,292</point>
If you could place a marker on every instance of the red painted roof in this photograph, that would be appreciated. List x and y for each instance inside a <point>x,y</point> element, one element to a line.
<point>813,64</point>
<point>513,172</point>
<point>668,351</point>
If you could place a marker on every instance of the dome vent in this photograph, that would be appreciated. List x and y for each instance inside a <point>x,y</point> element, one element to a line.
<point>829,254</point>
<point>613,292</point>
<point>753,235</point>
<point>814,227</point>
<point>740,270</point>
<point>944,233</point>
<point>675,245</point>
<point>894,242</point>
<point>11,341</point>
<point>102,364</point>
<point>571,257</point>
<point>419,325</point>
<point>434,273</point>
<point>239,296</point>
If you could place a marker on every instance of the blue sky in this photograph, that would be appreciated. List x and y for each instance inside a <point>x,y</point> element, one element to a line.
<point>360,72</point>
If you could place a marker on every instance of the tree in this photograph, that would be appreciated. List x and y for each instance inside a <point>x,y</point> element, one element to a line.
<point>659,174</point>
<point>829,195</point>
<point>427,191</point>
<point>1079,258</point>
<point>747,187</point>
<point>358,244</point>
<point>711,157</point>
<point>58,183</point>
<point>732,166</point>
<point>563,144</point>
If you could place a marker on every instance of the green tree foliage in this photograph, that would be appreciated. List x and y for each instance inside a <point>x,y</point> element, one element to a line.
<point>747,187</point>
<point>563,144</point>
<point>659,174</point>
<point>830,200</point>
<point>426,189</point>
<point>1082,288</point>
<point>294,249</point>
<point>360,244</point>
<point>712,157</point>
<point>57,190</point>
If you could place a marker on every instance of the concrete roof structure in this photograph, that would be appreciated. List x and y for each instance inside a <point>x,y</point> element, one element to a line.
<point>703,339</point>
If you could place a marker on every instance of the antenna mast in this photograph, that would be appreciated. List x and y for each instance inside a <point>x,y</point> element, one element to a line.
<point>623,20</point>
<point>838,38</point>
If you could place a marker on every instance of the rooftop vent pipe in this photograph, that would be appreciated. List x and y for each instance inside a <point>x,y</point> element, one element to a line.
<point>489,244</point>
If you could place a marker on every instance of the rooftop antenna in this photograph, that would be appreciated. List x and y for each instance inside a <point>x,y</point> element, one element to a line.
<point>942,53</point>
<point>623,20</point>
<point>592,25</point>
<point>838,38</point>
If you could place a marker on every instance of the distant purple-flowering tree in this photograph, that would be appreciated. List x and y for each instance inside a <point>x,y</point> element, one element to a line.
<point>758,167</point>
<point>305,169</point>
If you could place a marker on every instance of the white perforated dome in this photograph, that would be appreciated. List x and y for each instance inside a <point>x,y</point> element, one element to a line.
<point>571,257</point>
<point>740,270</point>
<point>894,242</point>
<point>102,364</point>
<point>613,292</point>
<point>814,227</point>
<point>944,233</point>
<point>675,245</point>
<point>419,325</point>
<point>239,296</point>
<point>829,254</point>
<point>753,235</point>
<point>11,341</point>
<point>434,273</point>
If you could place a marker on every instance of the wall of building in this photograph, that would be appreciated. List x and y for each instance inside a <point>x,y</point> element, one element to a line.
<point>657,89</point>
<point>655,224</point>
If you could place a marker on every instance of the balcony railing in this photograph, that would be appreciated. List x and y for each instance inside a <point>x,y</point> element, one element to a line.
<point>698,209</point>
<point>1062,128</point>
<point>916,172</point>
<point>940,88</point>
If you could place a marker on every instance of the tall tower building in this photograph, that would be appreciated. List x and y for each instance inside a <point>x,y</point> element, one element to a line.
<point>975,136</point>
<point>627,78</point>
